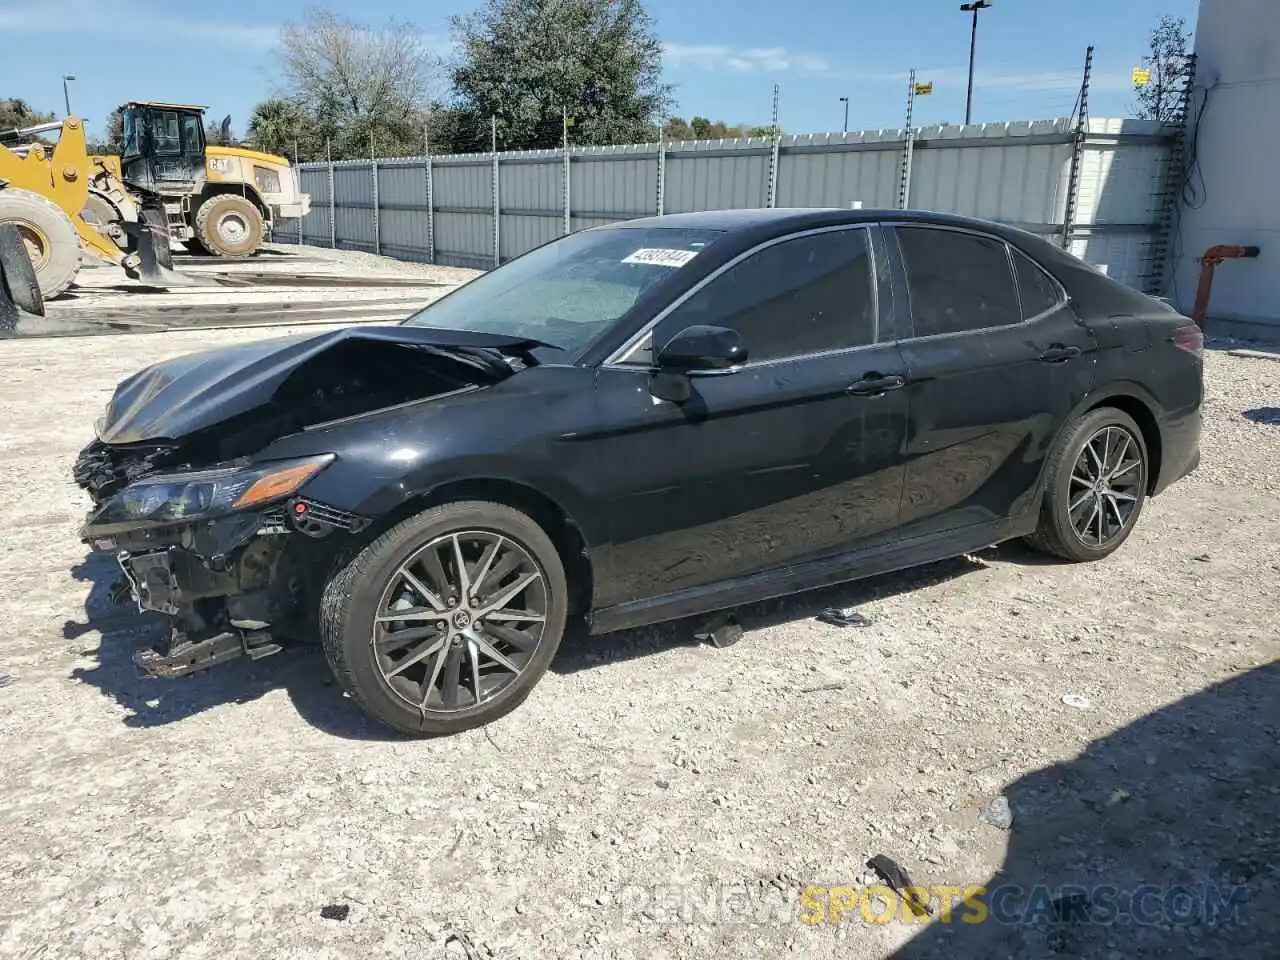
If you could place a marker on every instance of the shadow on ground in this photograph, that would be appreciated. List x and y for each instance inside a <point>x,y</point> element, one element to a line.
<point>1267,415</point>
<point>580,651</point>
<point>301,672</point>
<point>1160,840</point>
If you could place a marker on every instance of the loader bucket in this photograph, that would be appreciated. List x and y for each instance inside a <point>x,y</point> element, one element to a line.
<point>19,288</point>
<point>155,260</point>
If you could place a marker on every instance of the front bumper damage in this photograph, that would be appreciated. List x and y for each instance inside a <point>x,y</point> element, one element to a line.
<point>237,585</point>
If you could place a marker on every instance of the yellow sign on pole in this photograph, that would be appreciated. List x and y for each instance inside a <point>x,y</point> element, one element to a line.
<point>924,89</point>
<point>1141,76</point>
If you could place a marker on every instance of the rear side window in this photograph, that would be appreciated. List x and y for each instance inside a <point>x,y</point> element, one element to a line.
<point>1037,290</point>
<point>958,281</point>
<point>804,295</point>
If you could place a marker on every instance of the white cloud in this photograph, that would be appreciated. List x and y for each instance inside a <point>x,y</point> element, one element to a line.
<point>743,59</point>
<point>100,19</point>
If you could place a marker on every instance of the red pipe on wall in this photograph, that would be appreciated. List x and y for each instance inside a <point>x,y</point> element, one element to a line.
<point>1208,261</point>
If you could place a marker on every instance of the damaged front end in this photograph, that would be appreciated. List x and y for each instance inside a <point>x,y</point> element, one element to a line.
<point>226,555</point>
<point>210,531</point>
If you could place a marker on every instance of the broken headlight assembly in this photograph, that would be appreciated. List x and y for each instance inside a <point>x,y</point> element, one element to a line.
<point>166,498</point>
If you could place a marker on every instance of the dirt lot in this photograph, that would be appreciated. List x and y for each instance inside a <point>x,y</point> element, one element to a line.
<point>216,816</point>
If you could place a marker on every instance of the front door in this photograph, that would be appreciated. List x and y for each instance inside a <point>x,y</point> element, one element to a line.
<point>996,362</point>
<point>167,154</point>
<point>794,456</point>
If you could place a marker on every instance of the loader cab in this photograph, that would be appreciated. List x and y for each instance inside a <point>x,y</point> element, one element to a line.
<point>163,147</point>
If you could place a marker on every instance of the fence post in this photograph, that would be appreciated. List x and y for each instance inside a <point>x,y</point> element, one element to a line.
<point>567,174</point>
<point>772,192</point>
<point>908,148</point>
<point>1077,155</point>
<point>497,203</point>
<point>333,205</point>
<point>377,226</point>
<point>431,211</point>
<point>662,173</point>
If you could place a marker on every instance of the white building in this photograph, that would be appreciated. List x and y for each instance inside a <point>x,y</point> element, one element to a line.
<point>1236,187</point>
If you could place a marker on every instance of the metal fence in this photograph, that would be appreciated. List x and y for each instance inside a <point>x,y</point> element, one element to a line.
<point>478,210</point>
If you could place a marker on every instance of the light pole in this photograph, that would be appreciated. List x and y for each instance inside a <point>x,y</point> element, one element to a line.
<point>845,101</point>
<point>973,7</point>
<point>66,93</point>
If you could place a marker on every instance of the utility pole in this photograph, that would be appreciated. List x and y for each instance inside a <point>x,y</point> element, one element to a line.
<point>845,101</point>
<point>66,92</point>
<point>974,7</point>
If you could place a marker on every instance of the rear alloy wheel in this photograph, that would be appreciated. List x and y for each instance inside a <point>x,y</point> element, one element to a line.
<point>448,620</point>
<point>1097,484</point>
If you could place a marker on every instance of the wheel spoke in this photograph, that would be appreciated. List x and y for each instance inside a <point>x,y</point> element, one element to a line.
<point>422,589</point>
<point>451,683</point>
<point>508,594</point>
<point>1111,501</point>
<point>1124,468</point>
<point>475,668</point>
<point>398,639</point>
<point>464,581</point>
<point>1122,495</point>
<point>429,687</point>
<point>435,570</point>
<point>482,567</point>
<point>1080,501</point>
<point>413,613</point>
<point>1093,454</point>
<point>418,655</point>
<point>1106,452</point>
<point>515,616</point>
<point>1119,458</point>
<point>509,564</point>
<point>517,638</point>
<point>490,651</point>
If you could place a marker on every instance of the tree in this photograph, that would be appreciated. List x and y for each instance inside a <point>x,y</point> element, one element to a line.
<point>700,128</point>
<point>277,124</point>
<point>526,61</point>
<point>16,113</point>
<point>353,84</point>
<point>1169,64</point>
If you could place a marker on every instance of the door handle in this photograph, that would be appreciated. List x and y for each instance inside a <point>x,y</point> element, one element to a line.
<point>875,385</point>
<point>1059,352</point>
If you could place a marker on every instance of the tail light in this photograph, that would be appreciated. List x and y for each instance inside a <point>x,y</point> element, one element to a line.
<point>1190,338</point>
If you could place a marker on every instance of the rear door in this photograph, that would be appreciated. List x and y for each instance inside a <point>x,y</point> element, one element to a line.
<point>793,456</point>
<point>995,361</point>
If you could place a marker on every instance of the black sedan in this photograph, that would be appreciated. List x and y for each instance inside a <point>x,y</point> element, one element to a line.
<point>652,420</point>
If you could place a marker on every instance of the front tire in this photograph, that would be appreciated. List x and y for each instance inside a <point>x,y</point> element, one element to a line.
<point>1096,485</point>
<point>448,620</point>
<point>50,237</point>
<point>227,225</point>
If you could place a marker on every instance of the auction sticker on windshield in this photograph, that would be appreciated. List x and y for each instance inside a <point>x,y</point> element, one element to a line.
<point>660,257</point>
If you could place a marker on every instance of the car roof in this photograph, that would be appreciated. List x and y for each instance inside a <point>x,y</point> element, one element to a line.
<point>786,219</point>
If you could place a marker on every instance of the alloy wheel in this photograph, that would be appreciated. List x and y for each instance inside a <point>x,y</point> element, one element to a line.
<point>1106,486</point>
<point>459,620</point>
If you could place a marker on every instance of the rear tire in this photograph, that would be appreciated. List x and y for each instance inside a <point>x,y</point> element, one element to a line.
<point>229,226</point>
<point>408,640</point>
<point>52,243</point>
<point>1095,487</point>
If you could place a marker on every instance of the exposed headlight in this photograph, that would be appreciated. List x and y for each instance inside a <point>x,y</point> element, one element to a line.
<point>175,497</point>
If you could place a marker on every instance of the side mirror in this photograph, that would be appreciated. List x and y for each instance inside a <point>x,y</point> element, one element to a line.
<point>702,348</point>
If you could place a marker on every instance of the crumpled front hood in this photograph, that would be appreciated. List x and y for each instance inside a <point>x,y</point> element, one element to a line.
<point>178,397</point>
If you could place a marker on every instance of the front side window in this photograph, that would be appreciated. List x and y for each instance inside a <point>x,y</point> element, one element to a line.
<point>192,134</point>
<point>166,133</point>
<point>568,292</point>
<point>129,133</point>
<point>957,281</point>
<point>805,295</point>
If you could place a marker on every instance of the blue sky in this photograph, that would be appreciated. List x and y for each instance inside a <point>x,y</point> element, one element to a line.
<point>723,58</point>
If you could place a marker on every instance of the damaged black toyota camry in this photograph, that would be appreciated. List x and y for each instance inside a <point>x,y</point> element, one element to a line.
<point>657,419</point>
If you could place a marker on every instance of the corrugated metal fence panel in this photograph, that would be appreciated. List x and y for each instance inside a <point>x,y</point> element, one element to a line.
<point>820,170</point>
<point>1016,173</point>
<point>402,198</point>
<point>609,184</point>
<point>463,190</point>
<point>532,192</point>
<point>734,176</point>
<point>1119,180</point>
<point>1003,176</point>
<point>353,199</point>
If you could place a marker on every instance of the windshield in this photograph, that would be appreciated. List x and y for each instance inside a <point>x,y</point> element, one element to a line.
<point>567,292</point>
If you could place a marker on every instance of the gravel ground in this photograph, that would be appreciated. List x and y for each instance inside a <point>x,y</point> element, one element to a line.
<point>1127,711</point>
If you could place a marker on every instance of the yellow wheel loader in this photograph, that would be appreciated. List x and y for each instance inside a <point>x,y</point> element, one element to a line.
<point>167,185</point>
<point>220,200</point>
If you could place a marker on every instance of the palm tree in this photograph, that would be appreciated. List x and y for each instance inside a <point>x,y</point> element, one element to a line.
<point>276,126</point>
